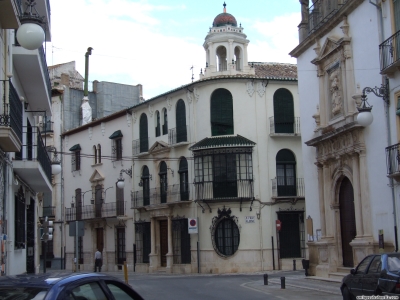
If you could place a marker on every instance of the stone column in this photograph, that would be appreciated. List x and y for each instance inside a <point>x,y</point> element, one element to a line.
<point>364,193</point>
<point>357,198</point>
<point>322,102</point>
<point>321,199</point>
<point>170,254</point>
<point>213,63</point>
<point>327,201</point>
<point>153,255</point>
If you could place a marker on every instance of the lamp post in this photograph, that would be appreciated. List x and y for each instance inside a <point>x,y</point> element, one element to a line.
<point>120,182</point>
<point>364,117</point>
<point>30,34</point>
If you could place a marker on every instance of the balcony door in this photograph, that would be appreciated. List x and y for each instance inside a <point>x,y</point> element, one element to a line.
<point>146,186</point>
<point>98,200</point>
<point>283,111</point>
<point>163,182</point>
<point>120,200</point>
<point>183,180</point>
<point>286,173</point>
<point>181,132</point>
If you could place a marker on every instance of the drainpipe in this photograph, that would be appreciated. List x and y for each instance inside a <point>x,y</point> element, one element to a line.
<point>388,131</point>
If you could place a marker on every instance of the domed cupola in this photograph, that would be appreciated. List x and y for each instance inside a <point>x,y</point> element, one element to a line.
<point>224,19</point>
<point>226,48</point>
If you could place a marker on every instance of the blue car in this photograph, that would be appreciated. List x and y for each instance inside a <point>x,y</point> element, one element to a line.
<point>63,286</point>
<point>376,274</point>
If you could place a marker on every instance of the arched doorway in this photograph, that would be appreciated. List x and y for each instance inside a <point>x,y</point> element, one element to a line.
<point>347,220</point>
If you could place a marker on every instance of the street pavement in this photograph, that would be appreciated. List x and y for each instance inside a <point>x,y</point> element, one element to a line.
<point>231,286</point>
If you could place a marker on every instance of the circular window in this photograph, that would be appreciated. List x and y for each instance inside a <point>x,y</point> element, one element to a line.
<point>226,237</point>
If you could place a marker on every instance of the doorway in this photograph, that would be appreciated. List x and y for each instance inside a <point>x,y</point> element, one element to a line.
<point>347,221</point>
<point>163,242</point>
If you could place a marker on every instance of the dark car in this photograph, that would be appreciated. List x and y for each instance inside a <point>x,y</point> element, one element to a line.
<point>57,286</point>
<point>376,274</point>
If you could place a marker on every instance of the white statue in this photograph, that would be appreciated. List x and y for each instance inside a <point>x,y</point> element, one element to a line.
<point>86,111</point>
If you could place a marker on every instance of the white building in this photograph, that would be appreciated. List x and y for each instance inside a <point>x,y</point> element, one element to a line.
<point>340,56</point>
<point>25,166</point>
<point>224,150</point>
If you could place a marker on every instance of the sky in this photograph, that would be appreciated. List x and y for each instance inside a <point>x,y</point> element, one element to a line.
<point>156,42</point>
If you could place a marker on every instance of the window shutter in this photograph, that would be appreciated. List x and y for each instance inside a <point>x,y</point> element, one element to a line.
<point>144,137</point>
<point>181,132</point>
<point>283,111</point>
<point>221,112</point>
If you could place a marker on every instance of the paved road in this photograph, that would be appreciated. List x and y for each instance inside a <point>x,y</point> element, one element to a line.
<point>231,286</point>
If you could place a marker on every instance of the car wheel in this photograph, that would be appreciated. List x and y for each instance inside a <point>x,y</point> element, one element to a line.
<point>346,294</point>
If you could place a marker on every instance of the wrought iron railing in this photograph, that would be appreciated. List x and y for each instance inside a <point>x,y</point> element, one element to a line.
<point>140,146</point>
<point>11,116</point>
<point>154,196</point>
<point>93,211</point>
<point>178,135</point>
<point>389,51</point>
<point>34,149</point>
<point>49,211</point>
<point>277,126</point>
<point>321,11</point>
<point>215,190</point>
<point>288,188</point>
<point>42,58</point>
<point>393,159</point>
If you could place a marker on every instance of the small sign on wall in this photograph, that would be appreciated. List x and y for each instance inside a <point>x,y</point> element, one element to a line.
<point>192,226</point>
<point>250,219</point>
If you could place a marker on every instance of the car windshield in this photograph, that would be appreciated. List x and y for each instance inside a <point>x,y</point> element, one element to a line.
<point>22,293</point>
<point>394,263</point>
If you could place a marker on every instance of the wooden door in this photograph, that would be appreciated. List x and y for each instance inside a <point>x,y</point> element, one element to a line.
<point>347,221</point>
<point>164,242</point>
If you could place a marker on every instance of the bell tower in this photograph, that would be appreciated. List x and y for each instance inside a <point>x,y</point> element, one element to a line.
<point>226,48</point>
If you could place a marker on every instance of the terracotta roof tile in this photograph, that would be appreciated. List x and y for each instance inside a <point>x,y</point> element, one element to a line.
<point>275,70</point>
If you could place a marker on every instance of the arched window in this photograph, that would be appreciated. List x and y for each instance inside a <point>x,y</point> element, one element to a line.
<point>283,111</point>
<point>286,173</point>
<point>163,182</point>
<point>221,112</point>
<point>221,59</point>
<point>146,185</point>
<point>227,237</point>
<point>95,154</point>
<point>143,134</point>
<point>99,153</point>
<point>238,56</point>
<point>183,179</point>
<point>165,124</point>
<point>181,131</point>
<point>158,126</point>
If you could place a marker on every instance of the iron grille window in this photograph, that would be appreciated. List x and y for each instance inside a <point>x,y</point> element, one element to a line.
<point>283,111</point>
<point>291,235</point>
<point>165,125</point>
<point>76,160</point>
<point>227,237</point>
<point>143,241</point>
<point>286,173</point>
<point>181,241</point>
<point>120,254</point>
<point>221,113</point>
<point>19,220</point>
<point>158,126</point>
<point>116,149</point>
<point>181,131</point>
<point>143,133</point>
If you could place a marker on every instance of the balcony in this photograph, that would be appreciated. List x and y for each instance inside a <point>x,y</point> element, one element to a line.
<point>389,54</point>
<point>9,12</point>
<point>33,75</point>
<point>140,146</point>
<point>224,190</point>
<point>288,190</point>
<point>284,128</point>
<point>178,135</point>
<point>156,196</point>
<point>321,11</point>
<point>93,211</point>
<point>393,161</point>
<point>10,118</point>
<point>33,164</point>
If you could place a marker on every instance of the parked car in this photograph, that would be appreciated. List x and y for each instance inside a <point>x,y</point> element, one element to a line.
<point>71,286</point>
<point>376,274</point>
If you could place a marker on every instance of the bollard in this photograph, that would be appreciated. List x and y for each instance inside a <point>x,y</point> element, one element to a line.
<point>294,265</point>
<point>265,279</point>
<point>283,282</point>
<point>126,272</point>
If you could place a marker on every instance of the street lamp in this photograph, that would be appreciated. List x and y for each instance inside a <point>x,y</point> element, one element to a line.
<point>105,191</point>
<point>120,182</point>
<point>56,162</point>
<point>83,197</point>
<point>364,117</point>
<point>30,34</point>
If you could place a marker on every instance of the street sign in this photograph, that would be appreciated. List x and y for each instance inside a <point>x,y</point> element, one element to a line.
<point>192,226</point>
<point>250,219</point>
<point>81,228</point>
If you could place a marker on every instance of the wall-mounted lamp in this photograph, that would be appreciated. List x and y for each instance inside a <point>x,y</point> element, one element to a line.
<point>172,171</point>
<point>30,34</point>
<point>56,161</point>
<point>364,117</point>
<point>120,182</point>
